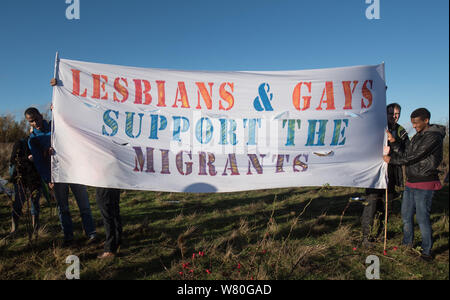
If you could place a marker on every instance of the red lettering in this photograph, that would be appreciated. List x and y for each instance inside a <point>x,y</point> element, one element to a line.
<point>205,95</point>
<point>330,96</point>
<point>348,91</point>
<point>138,95</point>
<point>367,94</point>
<point>184,98</point>
<point>121,89</point>
<point>76,83</point>
<point>297,94</point>
<point>161,93</point>
<point>227,96</point>
<point>99,83</point>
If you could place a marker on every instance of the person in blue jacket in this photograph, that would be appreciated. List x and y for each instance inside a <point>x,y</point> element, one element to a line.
<point>41,151</point>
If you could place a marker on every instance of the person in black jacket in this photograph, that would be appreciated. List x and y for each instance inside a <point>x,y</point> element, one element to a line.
<point>395,172</point>
<point>422,156</point>
<point>375,197</point>
<point>27,183</point>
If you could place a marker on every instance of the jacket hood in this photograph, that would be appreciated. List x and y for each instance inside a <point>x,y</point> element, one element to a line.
<point>438,128</point>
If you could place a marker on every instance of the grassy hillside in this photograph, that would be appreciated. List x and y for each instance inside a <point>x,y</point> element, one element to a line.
<point>297,233</point>
<point>5,154</point>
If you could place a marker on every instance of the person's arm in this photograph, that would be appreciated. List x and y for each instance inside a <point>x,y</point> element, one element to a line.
<point>409,157</point>
<point>14,152</point>
<point>402,134</point>
<point>404,139</point>
<point>400,144</point>
<point>53,82</point>
<point>12,160</point>
<point>38,159</point>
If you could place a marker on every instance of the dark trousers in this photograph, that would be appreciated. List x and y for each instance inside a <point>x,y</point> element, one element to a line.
<point>20,200</point>
<point>375,204</point>
<point>108,203</point>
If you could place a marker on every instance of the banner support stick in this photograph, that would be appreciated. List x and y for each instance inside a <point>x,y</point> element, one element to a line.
<point>385,223</point>
<point>55,75</point>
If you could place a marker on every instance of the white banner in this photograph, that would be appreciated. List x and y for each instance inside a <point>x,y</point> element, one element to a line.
<point>192,131</point>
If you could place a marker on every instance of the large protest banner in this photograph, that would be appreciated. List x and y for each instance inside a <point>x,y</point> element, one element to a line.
<point>203,131</point>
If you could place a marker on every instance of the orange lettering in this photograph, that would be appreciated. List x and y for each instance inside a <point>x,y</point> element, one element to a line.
<point>121,89</point>
<point>228,97</point>
<point>138,96</point>
<point>297,94</point>
<point>330,96</point>
<point>184,98</point>
<point>348,91</point>
<point>76,83</point>
<point>161,93</point>
<point>97,84</point>
<point>367,94</point>
<point>205,95</point>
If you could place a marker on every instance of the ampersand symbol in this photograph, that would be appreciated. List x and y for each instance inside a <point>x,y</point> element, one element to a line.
<point>263,99</point>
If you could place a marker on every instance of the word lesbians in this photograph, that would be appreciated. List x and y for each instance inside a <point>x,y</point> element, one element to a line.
<point>142,89</point>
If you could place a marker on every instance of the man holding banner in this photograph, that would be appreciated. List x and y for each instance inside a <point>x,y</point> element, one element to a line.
<point>108,202</point>
<point>421,157</point>
<point>41,150</point>
<point>376,197</point>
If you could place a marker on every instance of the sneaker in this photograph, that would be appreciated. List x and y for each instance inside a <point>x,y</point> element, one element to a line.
<point>106,255</point>
<point>91,240</point>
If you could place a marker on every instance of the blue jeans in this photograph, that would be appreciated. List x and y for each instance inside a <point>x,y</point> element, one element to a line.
<point>417,202</point>
<point>20,200</point>
<point>81,196</point>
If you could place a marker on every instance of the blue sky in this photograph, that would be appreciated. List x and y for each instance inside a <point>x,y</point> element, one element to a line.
<point>411,37</point>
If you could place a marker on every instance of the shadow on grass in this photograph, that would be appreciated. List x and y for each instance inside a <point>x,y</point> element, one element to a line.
<point>190,206</point>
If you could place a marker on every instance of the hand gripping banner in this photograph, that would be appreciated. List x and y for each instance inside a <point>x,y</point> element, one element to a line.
<point>196,131</point>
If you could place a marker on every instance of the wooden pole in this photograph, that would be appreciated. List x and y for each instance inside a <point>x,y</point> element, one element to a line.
<point>385,223</point>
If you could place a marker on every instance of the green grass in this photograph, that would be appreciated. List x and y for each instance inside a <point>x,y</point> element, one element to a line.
<point>294,233</point>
